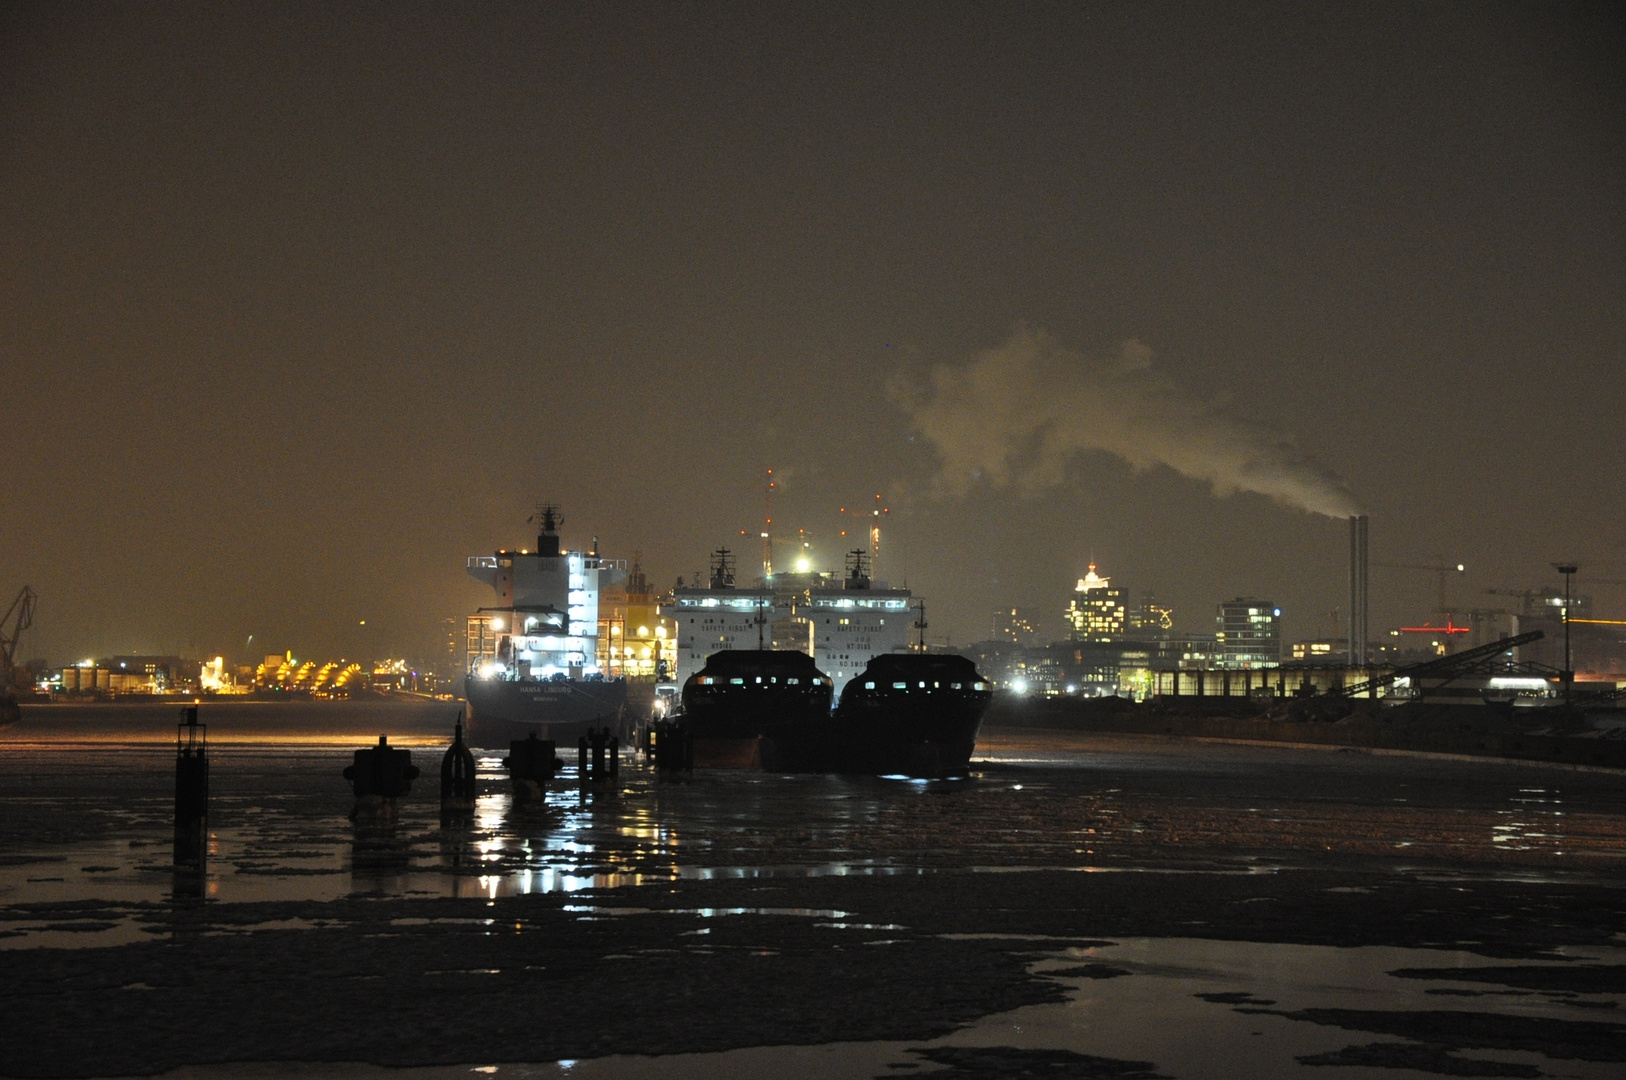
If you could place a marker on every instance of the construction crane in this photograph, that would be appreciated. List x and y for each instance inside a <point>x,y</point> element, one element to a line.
<point>875,514</point>
<point>1442,568</point>
<point>768,493</point>
<point>19,617</point>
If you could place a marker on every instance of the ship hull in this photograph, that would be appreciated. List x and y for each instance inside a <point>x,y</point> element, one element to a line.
<point>930,736</point>
<point>501,711</point>
<point>757,709</point>
<point>914,714</point>
<point>744,732</point>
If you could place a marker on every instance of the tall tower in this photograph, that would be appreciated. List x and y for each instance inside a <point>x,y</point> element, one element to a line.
<point>1358,636</point>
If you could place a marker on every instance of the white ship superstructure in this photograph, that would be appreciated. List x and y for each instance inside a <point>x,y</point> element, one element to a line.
<point>842,623</point>
<point>852,626</point>
<point>545,621</point>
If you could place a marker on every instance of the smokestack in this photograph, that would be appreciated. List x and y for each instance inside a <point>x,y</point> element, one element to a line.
<point>1357,591</point>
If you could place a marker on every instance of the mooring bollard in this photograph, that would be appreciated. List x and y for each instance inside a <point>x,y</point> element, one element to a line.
<point>191,794</point>
<point>457,784</point>
<point>380,775</point>
<point>531,763</point>
<point>599,739</point>
<point>674,749</point>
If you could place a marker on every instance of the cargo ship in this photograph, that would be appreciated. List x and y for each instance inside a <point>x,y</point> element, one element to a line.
<point>913,714</point>
<point>758,709</point>
<point>533,657</point>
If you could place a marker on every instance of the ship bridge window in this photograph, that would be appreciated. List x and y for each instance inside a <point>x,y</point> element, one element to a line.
<point>818,682</point>
<point>792,682</point>
<point>900,686</point>
<point>979,686</point>
<point>869,686</point>
<point>737,682</point>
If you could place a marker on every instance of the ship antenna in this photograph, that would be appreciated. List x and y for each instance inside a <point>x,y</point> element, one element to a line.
<point>722,569</point>
<point>548,521</point>
<point>920,626</point>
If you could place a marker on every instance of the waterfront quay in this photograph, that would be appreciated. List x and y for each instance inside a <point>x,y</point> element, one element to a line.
<point>1086,904</point>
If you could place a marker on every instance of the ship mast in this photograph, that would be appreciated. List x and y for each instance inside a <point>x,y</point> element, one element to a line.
<point>722,569</point>
<point>548,521</point>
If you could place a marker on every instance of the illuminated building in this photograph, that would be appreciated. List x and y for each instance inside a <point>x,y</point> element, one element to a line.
<point>1248,634</point>
<point>1151,619</point>
<point>1010,624</point>
<point>1097,612</point>
<point>1320,649</point>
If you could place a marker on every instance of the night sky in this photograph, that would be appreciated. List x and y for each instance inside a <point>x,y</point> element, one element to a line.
<point>301,305</point>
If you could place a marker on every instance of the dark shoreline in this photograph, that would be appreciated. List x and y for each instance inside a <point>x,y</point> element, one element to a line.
<point>1467,731</point>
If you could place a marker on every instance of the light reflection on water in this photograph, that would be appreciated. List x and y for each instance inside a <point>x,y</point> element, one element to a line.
<point>86,801</point>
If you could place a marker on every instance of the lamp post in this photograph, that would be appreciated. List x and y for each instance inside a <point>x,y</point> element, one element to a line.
<point>1568,569</point>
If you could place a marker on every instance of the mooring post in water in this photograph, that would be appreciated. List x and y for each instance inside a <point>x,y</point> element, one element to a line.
<point>191,793</point>
<point>615,755</point>
<point>581,759</point>
<point>457,787</point>
<point>674,750</point>
<point>531,764</point>
<point>381,774</point>
<point>600,739</point>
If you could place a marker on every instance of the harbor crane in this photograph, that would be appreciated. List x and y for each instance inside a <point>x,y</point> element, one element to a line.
<point>19,616</point>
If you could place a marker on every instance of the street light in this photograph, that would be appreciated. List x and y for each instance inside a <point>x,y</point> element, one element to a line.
<point>1569,570</point>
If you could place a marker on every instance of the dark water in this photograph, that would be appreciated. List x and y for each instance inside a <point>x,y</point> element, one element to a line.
<point>86,796</point>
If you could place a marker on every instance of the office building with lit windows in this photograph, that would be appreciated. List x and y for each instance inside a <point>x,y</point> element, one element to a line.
<point>1248,634</point>
<point>1097,612</point>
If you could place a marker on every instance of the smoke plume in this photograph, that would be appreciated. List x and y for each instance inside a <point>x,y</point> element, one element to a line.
<point>1017,414</point>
